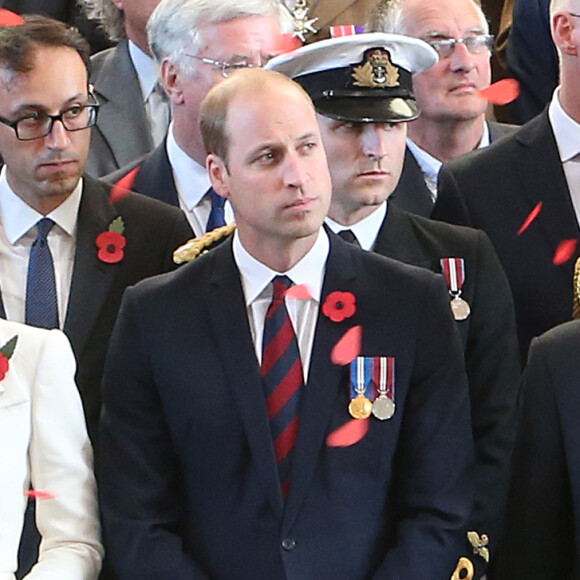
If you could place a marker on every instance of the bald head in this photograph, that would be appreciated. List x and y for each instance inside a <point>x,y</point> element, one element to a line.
<point>243,85</point>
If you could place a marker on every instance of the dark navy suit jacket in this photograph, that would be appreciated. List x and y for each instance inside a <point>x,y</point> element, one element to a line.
<point>188,479</point>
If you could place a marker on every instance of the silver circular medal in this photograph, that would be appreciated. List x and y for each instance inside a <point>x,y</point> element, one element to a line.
<point>460,308</point>
<point>383,408</point>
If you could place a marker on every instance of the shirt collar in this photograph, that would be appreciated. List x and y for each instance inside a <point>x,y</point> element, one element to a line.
<point>566,130</point>
<point>309,270</point>
<point>366,230</point>
<point>191,178</point>
<point>430,165</point>
<point>145,69</point>
<point>18,218</point>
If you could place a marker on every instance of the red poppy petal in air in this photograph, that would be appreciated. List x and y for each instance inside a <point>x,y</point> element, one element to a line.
<point>564,251</point>
<point>348,347</point>
<point>287,42</point>
<point>533,215</point>
<point>39,494</point>
<point>123,187</point>
<point>349,434</point>
<point>299,292</point>
<point>502,92</point>
<point>9,18</point>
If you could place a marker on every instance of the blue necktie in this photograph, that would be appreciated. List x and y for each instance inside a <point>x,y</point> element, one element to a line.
<point>216,216</point>
<point>41,304</point>
<point>283,379</point>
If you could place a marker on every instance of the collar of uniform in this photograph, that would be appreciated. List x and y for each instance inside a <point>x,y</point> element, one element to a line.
<point>367,230</point>
<point>309,270</point>
<point>191,178</point>
<point>145,69</point>
<point>18,218</point>
<point>566,130</point>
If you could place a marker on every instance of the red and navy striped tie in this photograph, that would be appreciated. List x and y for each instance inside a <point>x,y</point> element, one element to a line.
<point>283,379</point>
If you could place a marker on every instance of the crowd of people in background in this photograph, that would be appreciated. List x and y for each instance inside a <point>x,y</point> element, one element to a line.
<point>281,297</point>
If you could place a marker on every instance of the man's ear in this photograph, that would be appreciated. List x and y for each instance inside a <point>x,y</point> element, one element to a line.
<point>562,33</point>
<point>218,174</point>
<point>171,77</point>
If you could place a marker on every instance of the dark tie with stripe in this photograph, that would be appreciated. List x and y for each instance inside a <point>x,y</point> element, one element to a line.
<point>41,304</point>
<point>216,216</point>
<point>283,379</point>
<point>348,236</point>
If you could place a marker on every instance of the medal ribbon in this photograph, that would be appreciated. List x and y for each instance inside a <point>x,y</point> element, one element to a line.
<point>345,30</point>
<point>384,376</point>
<point>361,373</point>
<point>454,272</point>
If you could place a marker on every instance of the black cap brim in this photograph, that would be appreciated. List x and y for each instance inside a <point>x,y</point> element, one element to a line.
<point>368,109</point>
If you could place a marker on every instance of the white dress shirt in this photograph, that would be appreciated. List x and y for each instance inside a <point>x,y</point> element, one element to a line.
<point>366,230</point>
<point>18,232</point>
<point>192,183</point>
<point>256,283</point>
<point>430,166</point>
<point>567,135</point>
<point>154,99</point>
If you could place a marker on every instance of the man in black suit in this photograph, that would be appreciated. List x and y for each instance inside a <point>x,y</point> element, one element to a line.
<point>365,156</point>
<point>452,122</point>
<point>233,34</point>
<point>543,511</point>
<point>42,178</point>
<point>523,192</point>
<point>220,451</point>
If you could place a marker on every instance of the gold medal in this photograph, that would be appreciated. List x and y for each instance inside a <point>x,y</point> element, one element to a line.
<point>460,308</point>
<point>360,407</point>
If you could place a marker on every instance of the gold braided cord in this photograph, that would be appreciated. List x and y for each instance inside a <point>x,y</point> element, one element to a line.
<point>576,303</point>
<point>197,246</point>
<point>464,570</point>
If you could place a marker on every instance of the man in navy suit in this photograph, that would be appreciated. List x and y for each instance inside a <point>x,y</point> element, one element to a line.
<point>198,477</point>
<point>365,156</point>
<point>543,513</point>
<point>524,193</point>
<point>228,35</point>
<point>453,121</point>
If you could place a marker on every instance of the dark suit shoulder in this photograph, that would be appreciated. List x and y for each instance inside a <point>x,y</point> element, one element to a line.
<point>559,342</point>
<point>115,176</point>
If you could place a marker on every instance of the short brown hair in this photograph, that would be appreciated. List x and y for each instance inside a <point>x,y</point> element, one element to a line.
<point>18,44</point>
<point>215,106</point>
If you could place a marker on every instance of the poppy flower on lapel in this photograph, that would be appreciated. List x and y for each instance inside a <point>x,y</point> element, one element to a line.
<point>111,243</point>
<point>5,353</point>
<point>339,305</point>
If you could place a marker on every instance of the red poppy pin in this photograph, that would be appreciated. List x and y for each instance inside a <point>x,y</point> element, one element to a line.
<point>339,305</point>
<point>112,242</point>
<point>6,353</point>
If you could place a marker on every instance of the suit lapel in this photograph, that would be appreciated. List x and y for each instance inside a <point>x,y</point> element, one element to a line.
<point>155,178</point>
<point>542,176</point>
<point>91,278</point>
<point>324,382</point>
<point>397,240</point>
<point>227,312</point>
<point>123,110</point>
<point>411,193</point>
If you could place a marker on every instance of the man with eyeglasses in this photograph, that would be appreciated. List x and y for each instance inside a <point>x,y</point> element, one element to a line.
<point>67,252</point>
<point>524,193</point>
<point>198,43</point>
<point>452,120</point>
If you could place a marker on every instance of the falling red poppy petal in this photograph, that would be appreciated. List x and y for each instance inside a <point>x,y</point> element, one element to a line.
<point>39,494</point>
<point>123,187</point>
<point>349,434</point>
<point>4,366</point>
<point>9,18</point>
<point>348,347</point>
<point>531,217</point>
<point>299,292</point>
<point>564,251</point>
<point>287,42</point>
<point>502,92</point>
